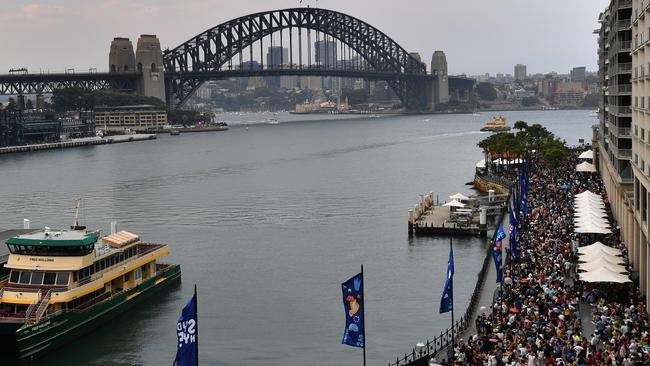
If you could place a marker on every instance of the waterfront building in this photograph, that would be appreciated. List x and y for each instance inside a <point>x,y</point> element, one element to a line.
<point>138,118</point>
<point>520,72</point>
<point>638,227</point>
<point>613,139</point>
<point>326,53</point>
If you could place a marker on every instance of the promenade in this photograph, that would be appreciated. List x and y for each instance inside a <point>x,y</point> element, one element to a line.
<point>545,315</point>
<point>85,141</point>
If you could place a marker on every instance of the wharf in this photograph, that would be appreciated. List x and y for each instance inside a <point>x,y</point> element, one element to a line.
<point>428,218</point>
<point>87,141</point>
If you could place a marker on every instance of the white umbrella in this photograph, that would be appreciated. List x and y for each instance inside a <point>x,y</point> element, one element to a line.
<point>587,193</point>
<point>459,196</point>
<point>585,167</point>
<point>481,164</point>
<point>591,229</point>
<point>454,203</point>
<point>603,275</point>
<point>590,266</point>
<point>596,256</point>
<point>589,154</point>
<point>598,247</point>
<point>591,213</point>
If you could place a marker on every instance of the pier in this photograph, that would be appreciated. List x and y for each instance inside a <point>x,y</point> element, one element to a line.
<point>469,216</point>
<point>88,141</point>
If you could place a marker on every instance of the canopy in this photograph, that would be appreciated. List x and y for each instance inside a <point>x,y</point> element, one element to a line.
<point>590,213</point>
<point>588,193</point>
<point>459,196</point>
<point>585,167</point>
<point>481,164</point>
<point>598,247</point>
<point>454,203</point>
<point>589,154</point>
<point>603,275</point>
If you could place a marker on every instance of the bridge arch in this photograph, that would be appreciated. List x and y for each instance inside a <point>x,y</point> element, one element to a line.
<point>210,53</point>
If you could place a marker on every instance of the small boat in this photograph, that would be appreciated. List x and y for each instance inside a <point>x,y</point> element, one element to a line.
<point>497,124</point>
<point>273,121</point>
<point>174,132</point>
<point>476,114</point>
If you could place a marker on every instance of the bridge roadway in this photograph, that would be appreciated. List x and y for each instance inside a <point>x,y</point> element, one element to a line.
<point>45,83</point>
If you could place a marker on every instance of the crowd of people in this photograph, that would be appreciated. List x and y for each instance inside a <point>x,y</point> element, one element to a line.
<point>536,317</point>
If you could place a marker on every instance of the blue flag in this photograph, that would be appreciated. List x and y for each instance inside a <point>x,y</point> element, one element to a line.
<point>514,250</point>
<point>186,331</point>
<point>496,253</point>
<point>353,304</point>
<point>447,301</point>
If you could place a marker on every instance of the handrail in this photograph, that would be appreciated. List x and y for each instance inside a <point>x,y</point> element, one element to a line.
<point>30,308</point>
<point>444,340</point>
<point>42,306</point>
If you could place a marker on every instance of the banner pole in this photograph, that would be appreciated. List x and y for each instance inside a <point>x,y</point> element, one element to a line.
<point>363,297</point>
<point>196,312</point>
<point>453,338</point>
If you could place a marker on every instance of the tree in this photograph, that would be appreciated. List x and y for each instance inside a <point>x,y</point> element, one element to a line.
<point>29,104</point>
<point>11,105</point>
<point>486,91</point>
<point>355,97</point>
<point>529,101</point>
<point>520,125</point>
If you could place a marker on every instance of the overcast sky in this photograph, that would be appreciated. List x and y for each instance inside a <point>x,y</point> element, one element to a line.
<point>478,36</point>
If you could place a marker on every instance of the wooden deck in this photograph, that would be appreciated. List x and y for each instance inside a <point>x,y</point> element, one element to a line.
<point>438,221</point>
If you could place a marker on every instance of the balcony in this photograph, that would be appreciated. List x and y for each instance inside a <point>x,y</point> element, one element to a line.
<point>621,131</point>
<point>624,4</point>
<point>620,111</point>
<point>622,154</point>
<point>624,24</point>
<point>622,46</point>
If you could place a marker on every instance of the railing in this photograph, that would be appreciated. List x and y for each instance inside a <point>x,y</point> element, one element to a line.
<point>32,306</point>
<point>433,347</point>
<point>40,310</point>
<point>624,88</point>
<point>624,24</point>
<point>624,131</point>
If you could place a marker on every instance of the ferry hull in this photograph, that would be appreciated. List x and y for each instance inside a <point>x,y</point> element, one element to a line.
<point>40,338</point>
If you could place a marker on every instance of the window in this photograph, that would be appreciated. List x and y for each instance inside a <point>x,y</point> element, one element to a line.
<point>636,194</point>
<point>643,134</point>
<point>37,278</point>
<point>636,130</point>
<point>25,277</point>
<point>137,273</point>
<point>13,277</point>
<point>636,101</point>
<point>126,277</point>
<point>62,278</point>
<point>636,158</point>
<point>153,67</point>
<point>49,278</point>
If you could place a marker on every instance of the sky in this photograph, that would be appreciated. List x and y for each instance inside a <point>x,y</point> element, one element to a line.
<point>478,36</point>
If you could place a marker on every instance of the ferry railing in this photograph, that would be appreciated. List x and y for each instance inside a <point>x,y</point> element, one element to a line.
<point>433,347</point>
<point>32,306</point>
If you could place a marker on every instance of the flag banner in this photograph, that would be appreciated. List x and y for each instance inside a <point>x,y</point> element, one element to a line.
<point>512,235</point>
<point>496,253</point>
<point>447,301</point>
<point>353,304</point>
<point>186,354</point>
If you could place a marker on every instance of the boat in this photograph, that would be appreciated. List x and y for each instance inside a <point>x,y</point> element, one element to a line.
<point>174,132</point>
<point>497,124</point>
<point>64,283</point>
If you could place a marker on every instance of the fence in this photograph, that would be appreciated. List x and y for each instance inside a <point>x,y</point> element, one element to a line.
<point>421,356</point>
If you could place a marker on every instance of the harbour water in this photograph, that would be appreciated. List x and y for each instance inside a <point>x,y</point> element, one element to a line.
<point>268,221</point>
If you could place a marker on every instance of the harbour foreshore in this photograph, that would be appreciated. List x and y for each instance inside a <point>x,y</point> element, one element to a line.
<point>87,141</point>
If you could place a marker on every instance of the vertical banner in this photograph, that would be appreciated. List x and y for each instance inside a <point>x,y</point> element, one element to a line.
<point>354,316</point>
<point>187,333</point>
<point>496,253</point>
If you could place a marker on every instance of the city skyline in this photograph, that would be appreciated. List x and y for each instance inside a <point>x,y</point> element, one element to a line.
<point>568,44</point>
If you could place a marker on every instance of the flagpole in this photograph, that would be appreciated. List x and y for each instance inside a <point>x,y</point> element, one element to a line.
<point>363,318</point>
<point>196,312</point>
<point>453,338</point>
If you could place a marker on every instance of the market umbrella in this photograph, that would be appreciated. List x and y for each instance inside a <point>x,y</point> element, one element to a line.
<point>459,197</point>
<point>454,203</point>
<point>585,167</point>
<point>599,247</point>
<point>603,275</point>
<point>589,154</point>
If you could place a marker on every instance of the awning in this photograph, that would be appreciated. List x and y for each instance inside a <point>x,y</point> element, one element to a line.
<point>597,256</point>
<point>589,154</point>
<point>591,266</point>
<point>585,167</point>
<point>592,229</point>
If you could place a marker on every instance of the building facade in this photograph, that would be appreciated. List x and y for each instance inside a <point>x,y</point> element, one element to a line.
<point>613,145</point>
<point>137,118</point>
<point>640,132</point>
<point>520,72</point>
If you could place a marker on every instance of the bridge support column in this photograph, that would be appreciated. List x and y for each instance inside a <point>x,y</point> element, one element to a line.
<point>149,61</point>
<point>441,82</point>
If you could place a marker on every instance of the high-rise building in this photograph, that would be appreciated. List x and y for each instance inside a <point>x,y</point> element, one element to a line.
<point>520,72</point>
<point>276,57</point>
<point>326,53</point>
<point>579,74</point>
<point>613,138</point>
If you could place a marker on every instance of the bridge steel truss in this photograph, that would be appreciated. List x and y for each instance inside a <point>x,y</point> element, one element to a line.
<point>205,56</point>
<point>46,83</point>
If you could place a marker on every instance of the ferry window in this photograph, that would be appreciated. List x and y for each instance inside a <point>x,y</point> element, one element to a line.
<point>13,277</point>
<point>62,278</point>
<point>25,277</point>
<point>49,278</point>
<point>37,278</point>
<point>96,266</point>
<point>126,277</point>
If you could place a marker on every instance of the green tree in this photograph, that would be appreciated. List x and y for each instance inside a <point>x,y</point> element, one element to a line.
<point>486,91</point>
<point>529,101</point>
<point>520,125</point>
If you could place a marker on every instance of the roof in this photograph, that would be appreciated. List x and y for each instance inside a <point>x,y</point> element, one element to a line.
<point>54,238</point>
<point>6,234</point>
<point>120,239</point>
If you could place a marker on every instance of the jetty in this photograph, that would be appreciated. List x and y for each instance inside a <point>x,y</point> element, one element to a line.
<point>86,141</point>
<point>460,216</point>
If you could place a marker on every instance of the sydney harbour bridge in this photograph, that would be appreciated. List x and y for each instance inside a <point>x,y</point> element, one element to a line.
<point>346,47</point>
